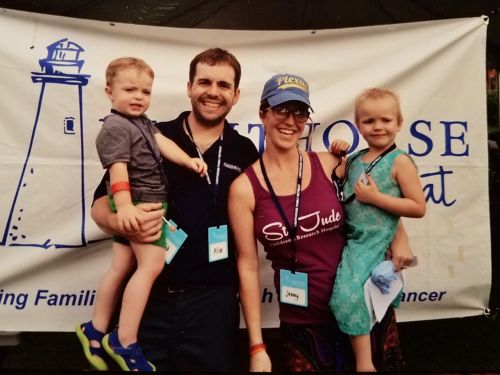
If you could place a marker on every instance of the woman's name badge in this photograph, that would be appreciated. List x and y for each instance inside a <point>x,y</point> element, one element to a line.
<point>293,288</point>
<point>217,243</point>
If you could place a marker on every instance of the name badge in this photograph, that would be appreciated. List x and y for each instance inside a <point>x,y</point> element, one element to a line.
<point>293,288</point>
<point>358,170</point>
<point>217,243</point>
<point>174,239</point>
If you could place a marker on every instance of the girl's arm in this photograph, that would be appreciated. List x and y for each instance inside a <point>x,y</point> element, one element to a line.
<point>412,204</point>
<point>399,251</point>
<point>332,163</point>
<point>240,208</point>
<point>170,151</point>
<point>339,148</point>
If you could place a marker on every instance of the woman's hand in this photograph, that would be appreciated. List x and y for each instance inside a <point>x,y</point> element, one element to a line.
<point>260,362</point>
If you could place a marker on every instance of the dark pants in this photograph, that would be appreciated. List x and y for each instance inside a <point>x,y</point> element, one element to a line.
<point>324,348</point>
<point>191,330</point>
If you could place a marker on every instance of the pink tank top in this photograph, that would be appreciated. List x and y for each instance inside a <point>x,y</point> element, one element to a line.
<point>320,240</point>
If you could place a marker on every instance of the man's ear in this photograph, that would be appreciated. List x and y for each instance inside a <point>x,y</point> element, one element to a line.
<point>236,96</point>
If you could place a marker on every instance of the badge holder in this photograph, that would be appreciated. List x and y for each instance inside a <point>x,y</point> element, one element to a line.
<point>217,243</point>
<point>358,170</point>
<point>175,237</point>
<point>293,288</point>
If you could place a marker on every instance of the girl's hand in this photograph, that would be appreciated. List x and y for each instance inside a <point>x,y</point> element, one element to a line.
<point>366,193</point>
<point>339,147</point>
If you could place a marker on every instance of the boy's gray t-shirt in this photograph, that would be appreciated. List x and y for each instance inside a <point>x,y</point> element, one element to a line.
<point>120,140</point>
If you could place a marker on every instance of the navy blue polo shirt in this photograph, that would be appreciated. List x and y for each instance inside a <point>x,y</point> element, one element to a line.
<point>194,208</point>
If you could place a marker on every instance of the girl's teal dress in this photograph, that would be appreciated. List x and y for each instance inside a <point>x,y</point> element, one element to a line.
<point>369,232</point>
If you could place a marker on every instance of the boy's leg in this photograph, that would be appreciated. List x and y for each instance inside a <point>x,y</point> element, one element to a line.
<point>122,263</point>
<point>91,333</point>
<point>150,262</point>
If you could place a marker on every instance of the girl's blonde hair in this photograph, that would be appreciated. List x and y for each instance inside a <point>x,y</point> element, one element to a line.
<point>377,93</point>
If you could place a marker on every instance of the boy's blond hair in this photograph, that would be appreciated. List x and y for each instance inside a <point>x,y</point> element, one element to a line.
<point>122,63</point>
<point>377,93</point>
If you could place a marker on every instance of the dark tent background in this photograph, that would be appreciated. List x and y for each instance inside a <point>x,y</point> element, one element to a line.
<point>467,344</point>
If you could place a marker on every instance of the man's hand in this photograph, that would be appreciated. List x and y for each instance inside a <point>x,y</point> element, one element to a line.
<point>149,230</point>
<point>129,218</point>
<point>152,222</point>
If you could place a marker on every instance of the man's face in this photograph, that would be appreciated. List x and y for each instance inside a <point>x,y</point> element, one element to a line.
<point>212,93</point>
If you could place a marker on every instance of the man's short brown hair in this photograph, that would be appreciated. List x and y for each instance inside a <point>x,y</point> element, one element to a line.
<point>216,56</point>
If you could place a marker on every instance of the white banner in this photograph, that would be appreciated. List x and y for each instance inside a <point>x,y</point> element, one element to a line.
<point>52,74</point>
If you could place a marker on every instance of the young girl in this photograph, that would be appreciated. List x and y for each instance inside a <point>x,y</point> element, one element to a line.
<point>129,146</point>
<point>381,185</point>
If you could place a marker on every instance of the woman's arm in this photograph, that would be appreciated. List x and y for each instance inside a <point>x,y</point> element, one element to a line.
<point>240,208</point>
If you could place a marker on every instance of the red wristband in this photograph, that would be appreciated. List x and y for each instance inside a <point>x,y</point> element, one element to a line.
<point>254,349</point>
<point>118,186</point>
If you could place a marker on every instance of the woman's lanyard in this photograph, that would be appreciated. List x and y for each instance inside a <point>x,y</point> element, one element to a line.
<point>213,187</point>
<point>368,169</point>
<point>291,230</point>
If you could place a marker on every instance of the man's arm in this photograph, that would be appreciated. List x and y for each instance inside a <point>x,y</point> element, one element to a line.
<point>149,231</point>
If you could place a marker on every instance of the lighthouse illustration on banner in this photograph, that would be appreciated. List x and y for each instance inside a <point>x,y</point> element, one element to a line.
<point>52,177</point>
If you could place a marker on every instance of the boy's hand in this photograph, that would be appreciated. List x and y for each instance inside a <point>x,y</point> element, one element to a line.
<point>129,218</point>
<point>198,166</point>
<point>339,147</point>
<point>151,227</point>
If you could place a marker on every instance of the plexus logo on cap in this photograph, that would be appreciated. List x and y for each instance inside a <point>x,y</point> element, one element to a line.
<point>286,87</point>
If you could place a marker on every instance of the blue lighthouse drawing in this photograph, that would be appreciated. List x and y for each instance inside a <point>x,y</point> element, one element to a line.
<point>52,177</point>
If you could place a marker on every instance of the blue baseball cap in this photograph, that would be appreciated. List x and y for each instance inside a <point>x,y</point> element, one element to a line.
<point>283,88</point>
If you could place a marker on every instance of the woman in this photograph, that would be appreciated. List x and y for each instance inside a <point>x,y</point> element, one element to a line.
<point>288,201</point>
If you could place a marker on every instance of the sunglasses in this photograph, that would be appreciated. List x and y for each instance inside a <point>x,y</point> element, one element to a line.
<point>282,113</point>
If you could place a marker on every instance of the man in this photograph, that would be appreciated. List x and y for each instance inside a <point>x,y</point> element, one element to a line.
<point>192,318</point>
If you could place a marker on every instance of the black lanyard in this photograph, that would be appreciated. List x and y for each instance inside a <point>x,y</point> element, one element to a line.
<point>291,230</point>
<point>368,169</point>
<point>213,187</point>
